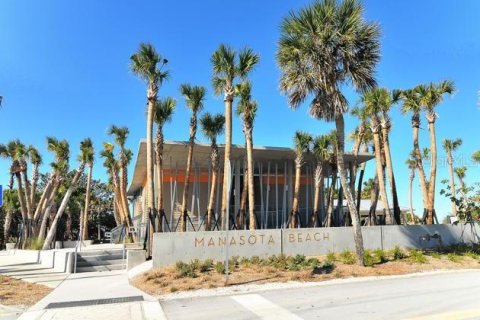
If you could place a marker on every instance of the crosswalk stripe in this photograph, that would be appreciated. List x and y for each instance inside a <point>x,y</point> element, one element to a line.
<point>264,308</point>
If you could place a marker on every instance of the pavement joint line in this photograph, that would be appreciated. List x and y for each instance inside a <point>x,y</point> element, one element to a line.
<point>264,308</point>
<point>95,302</point>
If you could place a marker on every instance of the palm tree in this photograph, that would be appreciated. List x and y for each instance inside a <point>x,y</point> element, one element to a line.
<point>321,151</point>
<point>476,156</point>
<point>411,103</point>
<point>247,108</point>
<point>323,47</point>
<point>450,146</point>
<point>124,156</point>
<point>88,156</point>
<point>84,148</point>
<point>227,66</point>
<point>10,207</point>
<point>412,165</point>
<point>302,144</point>
<point>36,161</point>
<point>461,172</point>
<point>148,64</point>
<point>194,97</point>
<point>430,97</point>
<point>163,113</point>
<point>373,101</point>
<point>212,126</point>
<point>111,164</point>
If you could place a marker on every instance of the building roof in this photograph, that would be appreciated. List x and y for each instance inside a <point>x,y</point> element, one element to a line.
<point>175,156</point>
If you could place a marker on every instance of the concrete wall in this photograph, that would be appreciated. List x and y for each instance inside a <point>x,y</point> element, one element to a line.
<point>60,260</point>
<point>169,248</point>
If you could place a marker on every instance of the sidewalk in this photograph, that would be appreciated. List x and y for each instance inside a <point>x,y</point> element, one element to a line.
<point>96,295</point>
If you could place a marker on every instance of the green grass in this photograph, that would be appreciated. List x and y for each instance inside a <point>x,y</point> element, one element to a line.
<point>436,255</point>
<point>331,257</point>
<point>454,257</point>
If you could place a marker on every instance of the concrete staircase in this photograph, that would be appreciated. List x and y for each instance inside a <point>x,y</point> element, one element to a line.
<point>100,260</point>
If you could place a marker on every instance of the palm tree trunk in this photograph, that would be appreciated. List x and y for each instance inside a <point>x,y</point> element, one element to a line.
<point>45,195</point>
<point>21,198</point>
<point>152,91</point>
<point>360,181</point>
<point>316,197</point>
<point>116,213</point>
<point>410,193</point>
<point>43,226</point>
<point>213,187</point>
<point>374,194</point>
<point>47,207</point>
<point>123,193</point>
<point>381,180</point>
<point>433,172</point>
<point>33,189</point>
<point>296,192</point>
<point>330,198</point>
<point>27,195</point>
<point>391,177</point>
<point>6,225</point>
<point>251,197</point>
<point>87,203</point>
<point>68,226</point>
<point>244,197</point>
<point>63,206</point>
<point>357,231</point>
<point>453,197</point>
<point>159,163</point>
<point>419,160</point>
<point>183,213</point>
<point>228,145</point>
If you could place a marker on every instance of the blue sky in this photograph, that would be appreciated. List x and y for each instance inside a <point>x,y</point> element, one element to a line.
<point>64,69</point>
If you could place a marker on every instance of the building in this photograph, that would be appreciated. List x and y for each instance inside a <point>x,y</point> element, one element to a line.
<point>273,180</point>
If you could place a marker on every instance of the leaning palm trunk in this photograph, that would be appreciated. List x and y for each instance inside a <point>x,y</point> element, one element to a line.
<point>228,145</point>
<point>391,177</point>
<point>123,194</point>
<point>418,159</point>
<point>357,231</point>
<point>7,224</point>
<point>63,206</point>
<point>45,195</point>
<point>116,213</point>
<point>251,198</point>
<point>213,187</point>
<point>191,144</point>
<point>27,197</point>
<point>374,194</point>
<point>43,226</point>
<point>380,175</point>
<point>159,162</point>
<point>33,188</point>
<point>87,204</point>
<point>452,183</point>
<point>47,208</point>
<point>330,198</point>
<point>316,198</point>
<point>433,170</point>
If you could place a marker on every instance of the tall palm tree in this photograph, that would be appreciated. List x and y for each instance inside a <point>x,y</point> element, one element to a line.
<point>163,113</point>
<point>321,148</point>
<point>112,166</point>
<point>411,103</point>
<point>227,67</point>
<point>88,157</point>
<point>412,165</point>
<point>10,207</point>
<point>149,65</point>
<point>124,156</point>
<point>84,148</point>
<point>373,101</point>
<point>302,144</point>
<point>212,126</point>
<point>430,97</point>
<point>194,98</point>
<point>247,108</point>
<point>323,47</point>
<point>450,146</point>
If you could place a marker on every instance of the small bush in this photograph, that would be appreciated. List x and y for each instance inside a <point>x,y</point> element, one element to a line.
<point>471,254</point>
<point>368,258</point>
<point>234,261</point>
<point>331,257</point>
<point>186,269</point>
<point>328,266</point>
<point>380,256</point>
<point>417,256</point>
<point>255,260</point>
<point>398,253</point>
<point>34,244</point>
<point>244,261</point>
<point>347,257</point>
<point>454,257</point>
<point>206,265</point>
<point>313,263</point>
<point>220,267</point>
<point>436,255</point>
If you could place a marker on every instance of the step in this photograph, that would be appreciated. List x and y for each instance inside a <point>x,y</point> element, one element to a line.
<point>101,268</point>
<point>99,263</point>
<point>99,257</point>
<point>101,252</point>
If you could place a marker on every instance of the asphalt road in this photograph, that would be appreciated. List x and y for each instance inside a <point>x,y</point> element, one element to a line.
<point>435,296</point>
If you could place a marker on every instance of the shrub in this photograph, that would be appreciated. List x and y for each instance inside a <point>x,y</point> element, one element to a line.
<point>380,256</point>
<point>233,262</point>
<point>416,256</point>
<point>206,265</point>
<point>328,266</point>
<point>347,257</point>
<point>436,255</point>
<point>255,260</point>
<point>454,257</point>
<point>220,267</point>
<point>313,263</point>
<point>186,269</point>
<point>398,253</point>
<point>471,254</point>
<point>331,257</point>
<point>368,258</point>
<point>244,261</point>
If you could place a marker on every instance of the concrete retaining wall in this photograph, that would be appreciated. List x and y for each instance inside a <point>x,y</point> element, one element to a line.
<point>169,248</point>
<point>60,260</point>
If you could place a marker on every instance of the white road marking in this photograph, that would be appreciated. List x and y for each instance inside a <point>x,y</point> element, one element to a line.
<point>264,308</point>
